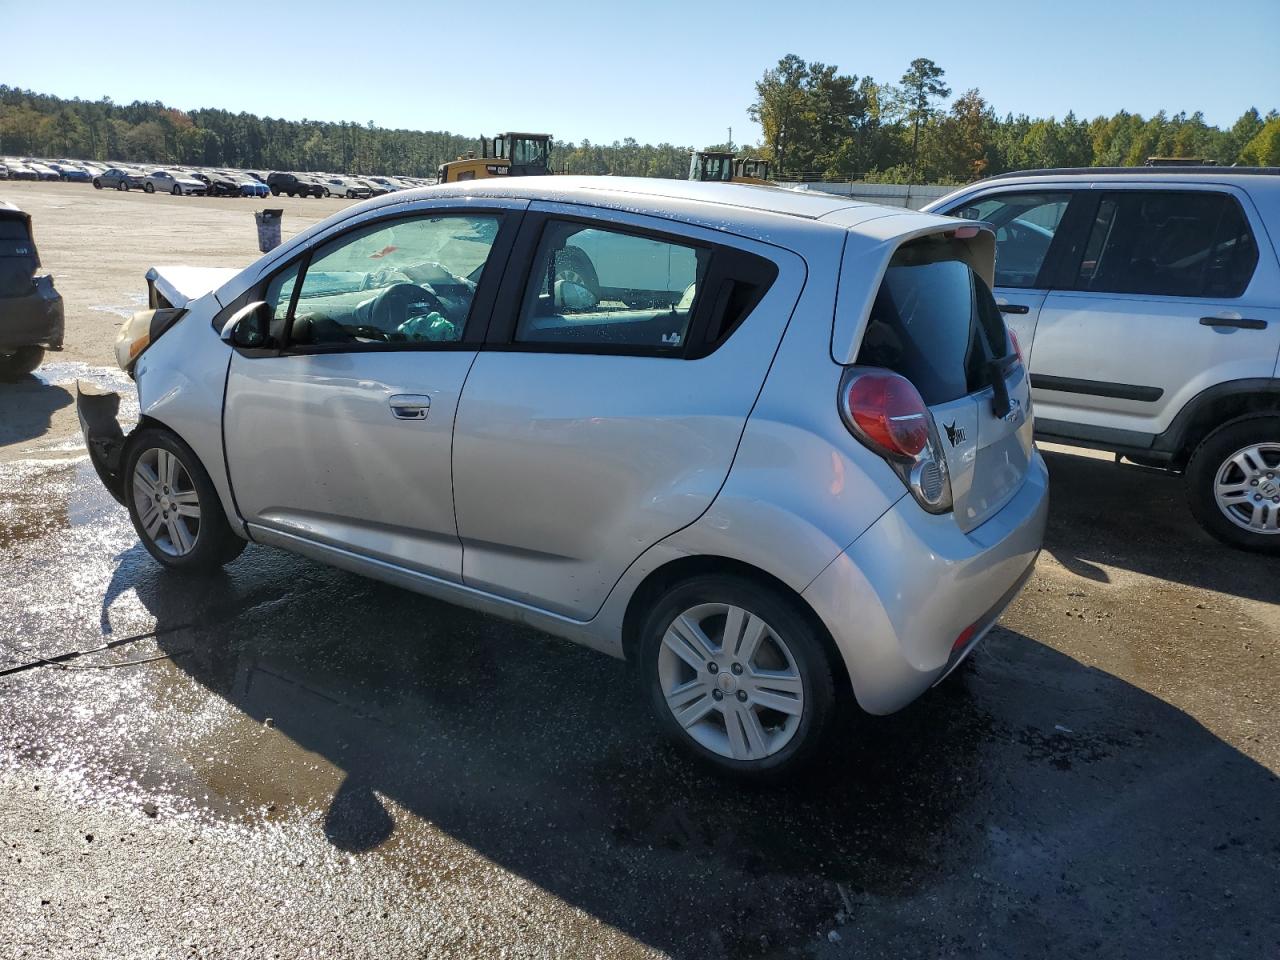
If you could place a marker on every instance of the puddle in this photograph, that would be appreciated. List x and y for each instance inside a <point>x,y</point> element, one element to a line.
<point>137,301</point>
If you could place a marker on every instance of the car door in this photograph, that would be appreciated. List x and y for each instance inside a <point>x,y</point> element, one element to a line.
<point>1026,223</point>
<point>1167,296</point>
<point>604,414</point>
<point>344,435</point>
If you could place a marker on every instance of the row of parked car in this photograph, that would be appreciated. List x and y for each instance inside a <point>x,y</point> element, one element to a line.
<point>205,181</point>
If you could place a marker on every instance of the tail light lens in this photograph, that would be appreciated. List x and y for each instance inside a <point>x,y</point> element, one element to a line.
<point>887,414</point>
<point>890,413</point>
<point>1017,347</point>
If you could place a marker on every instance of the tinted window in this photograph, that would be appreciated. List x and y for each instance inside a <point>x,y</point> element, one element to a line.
<point>1189,244</point>
<point>17,258</point>
<point>595,287</point>
<point>935,322</point>
<point>411,280</point>
<point>1025,226</point>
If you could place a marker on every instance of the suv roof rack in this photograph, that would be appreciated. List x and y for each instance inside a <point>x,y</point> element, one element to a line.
<point>1162,171</point>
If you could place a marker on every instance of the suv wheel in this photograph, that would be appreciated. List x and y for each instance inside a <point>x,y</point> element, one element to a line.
<point>1234,478</point>
<point>20,362</point>
<point>737,675</point>
<point>173,505</point>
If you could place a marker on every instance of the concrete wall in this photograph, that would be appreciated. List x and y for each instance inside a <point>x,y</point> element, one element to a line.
<point>890,194</point>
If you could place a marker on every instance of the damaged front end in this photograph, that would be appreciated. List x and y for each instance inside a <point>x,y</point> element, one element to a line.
<point>98,410</point>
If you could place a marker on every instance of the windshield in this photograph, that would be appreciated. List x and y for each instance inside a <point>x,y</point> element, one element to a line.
<point>526,152</point>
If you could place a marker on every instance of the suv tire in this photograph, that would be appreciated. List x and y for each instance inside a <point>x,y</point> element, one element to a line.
<point>780,657</point>
<point>1245,456</point>
<point>212,542</point>
<point>20,362</point>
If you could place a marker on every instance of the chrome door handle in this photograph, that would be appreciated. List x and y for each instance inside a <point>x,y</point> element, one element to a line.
<point>410,406</point>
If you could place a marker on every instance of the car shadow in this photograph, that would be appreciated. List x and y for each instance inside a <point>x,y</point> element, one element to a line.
<point>27,406</point>
<point>1105,514</point>
<point>1075,808</point>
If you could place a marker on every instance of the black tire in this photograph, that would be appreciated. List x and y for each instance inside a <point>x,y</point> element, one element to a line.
<point>19,363</point>
<point>351,194</point>
<point>290,193</point>
<point>122,184</point>
<point>327,194</point>
<point>215,543</point>
<point>572,261</point>
<point>148,187</point>
<point>804,640</point>
<point>176,191</point>
<point>1212,457</point>
<point>275,191</point>
<point>97,184</point>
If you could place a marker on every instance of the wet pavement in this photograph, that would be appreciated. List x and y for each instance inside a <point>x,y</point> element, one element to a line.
<point>288,760</point>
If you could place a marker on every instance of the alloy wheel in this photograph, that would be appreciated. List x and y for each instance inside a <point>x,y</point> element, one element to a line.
<point>731,681</point>
<point>1247,488</point>
<point>167,503</point>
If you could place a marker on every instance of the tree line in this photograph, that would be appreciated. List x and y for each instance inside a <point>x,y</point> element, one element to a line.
<point>816,121</point>
<point>822,123</point>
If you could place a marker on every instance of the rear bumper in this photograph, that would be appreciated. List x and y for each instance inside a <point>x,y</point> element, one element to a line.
<point>35,320</point>
<point>897,600</point>
<point>98,410</point>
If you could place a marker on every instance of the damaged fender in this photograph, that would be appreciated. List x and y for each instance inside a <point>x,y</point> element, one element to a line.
<point>98,410</point>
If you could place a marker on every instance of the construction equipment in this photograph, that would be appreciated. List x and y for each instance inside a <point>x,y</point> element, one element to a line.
<point>720,166</point>
<point>506,155</point>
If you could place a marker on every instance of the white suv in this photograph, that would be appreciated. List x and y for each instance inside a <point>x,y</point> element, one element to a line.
<point>1147,304</point>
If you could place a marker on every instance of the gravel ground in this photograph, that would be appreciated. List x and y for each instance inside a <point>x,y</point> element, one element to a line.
<point>290,761</point>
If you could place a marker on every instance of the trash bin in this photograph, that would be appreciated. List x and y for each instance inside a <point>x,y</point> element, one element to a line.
<point>268,229</point>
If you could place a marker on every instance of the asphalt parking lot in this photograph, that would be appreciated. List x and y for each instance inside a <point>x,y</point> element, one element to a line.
<point>292,761</point>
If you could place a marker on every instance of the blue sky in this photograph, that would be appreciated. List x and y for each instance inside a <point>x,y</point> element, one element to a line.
<point>660,70</point>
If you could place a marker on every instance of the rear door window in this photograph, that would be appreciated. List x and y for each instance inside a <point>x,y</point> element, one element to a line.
<point>601,288</point>
<point>935,322</point>
<point>1026,224</point>
<point>1168,243</point>
<point>18,262</point>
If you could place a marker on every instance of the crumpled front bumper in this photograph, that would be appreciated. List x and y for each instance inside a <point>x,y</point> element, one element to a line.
<point>98,411</point>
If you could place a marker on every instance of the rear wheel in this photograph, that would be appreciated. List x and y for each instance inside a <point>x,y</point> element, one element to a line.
<point>173,505</point>
<point>737,675</point>
<point>1234,484</point>
<point>20,362</point>
<point>149,187</point>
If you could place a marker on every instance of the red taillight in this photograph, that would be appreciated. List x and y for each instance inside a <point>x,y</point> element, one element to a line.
<point>889,412</point>
<point>965,636</point>
<point>1017,347</point>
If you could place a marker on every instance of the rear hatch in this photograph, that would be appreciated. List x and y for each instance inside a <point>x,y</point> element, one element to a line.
<point>935,322</point>
<point>18,260</point>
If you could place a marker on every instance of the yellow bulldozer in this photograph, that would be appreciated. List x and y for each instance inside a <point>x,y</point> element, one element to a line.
<point>506,155</point>
<point>719,166</point>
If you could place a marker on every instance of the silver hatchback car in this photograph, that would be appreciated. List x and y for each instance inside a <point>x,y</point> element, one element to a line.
<point>773,448</point>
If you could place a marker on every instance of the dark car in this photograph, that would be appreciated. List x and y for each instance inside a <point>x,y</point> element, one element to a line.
<point>219,184</point>
<point>294,185</point>
<point>71,173</point>
<point>30,309</point>
<point>118,178</point>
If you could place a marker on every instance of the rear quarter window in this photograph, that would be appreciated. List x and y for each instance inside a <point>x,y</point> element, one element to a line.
<point>935,322</point>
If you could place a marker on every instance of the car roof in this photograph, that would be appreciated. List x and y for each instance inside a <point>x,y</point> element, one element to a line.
<point>651,195</point>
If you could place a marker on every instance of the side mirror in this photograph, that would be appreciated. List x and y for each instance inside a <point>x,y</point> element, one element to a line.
<point>249,327</point>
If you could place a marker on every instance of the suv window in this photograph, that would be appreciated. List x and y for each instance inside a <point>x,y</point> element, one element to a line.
<point>410,280</point>
<point>595,287</point>
<point>1025,226</point>
<point>1168,243</point>
<point>935,322</point>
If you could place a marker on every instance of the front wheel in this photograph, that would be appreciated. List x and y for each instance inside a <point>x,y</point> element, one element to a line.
<point>1234,484</point>
<point>177,191</point>
<point>122,184</point>
<point>20,362</point>
<point>97,184</point>
<point>737,675</point>
<point>173,505</point>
